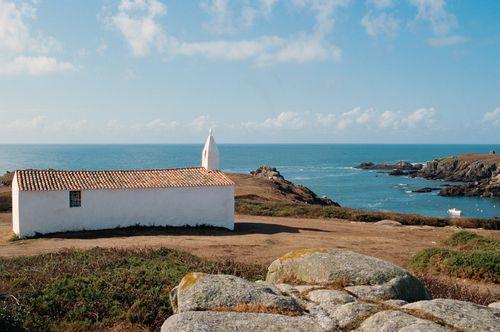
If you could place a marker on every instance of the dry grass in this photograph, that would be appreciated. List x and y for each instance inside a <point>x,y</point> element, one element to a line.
<point>99,288</point>
<point>258,308</point>
<point>450,288</point>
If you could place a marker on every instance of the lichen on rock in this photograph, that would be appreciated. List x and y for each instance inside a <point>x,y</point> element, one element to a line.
<point>347,268</point>
<point>218,292</point>
<point>375,299</point>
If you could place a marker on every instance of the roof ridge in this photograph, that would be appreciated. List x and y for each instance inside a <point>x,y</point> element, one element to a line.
<point>47,180</point>
<point>109,170</point>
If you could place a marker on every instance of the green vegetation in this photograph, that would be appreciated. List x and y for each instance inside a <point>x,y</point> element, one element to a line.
<point>5,193</point>
<point>283,209</point>
<point>5,201</point>
<point>99,288</point>
<point>465,255</point>
<point>6,179</point>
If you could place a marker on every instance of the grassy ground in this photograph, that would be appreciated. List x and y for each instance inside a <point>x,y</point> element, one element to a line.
<point>127,289</point>
<point>99,288</point>
<point>283,209</point>
<point>464,255</point>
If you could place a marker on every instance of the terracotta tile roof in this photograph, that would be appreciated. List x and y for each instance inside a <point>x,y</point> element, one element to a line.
<point>44,180</point>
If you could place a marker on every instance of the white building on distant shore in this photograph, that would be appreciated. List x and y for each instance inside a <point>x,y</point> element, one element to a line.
<point>47,201</point>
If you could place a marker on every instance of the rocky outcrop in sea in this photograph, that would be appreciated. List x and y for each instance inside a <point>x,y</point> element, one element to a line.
<point>321,290</point>
<point>480,174</point>
<point>298,192</point>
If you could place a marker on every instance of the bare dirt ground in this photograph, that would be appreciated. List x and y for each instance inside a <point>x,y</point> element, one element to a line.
<point>255,239</point>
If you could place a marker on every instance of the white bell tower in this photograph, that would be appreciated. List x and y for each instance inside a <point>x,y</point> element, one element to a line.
<point>210,155</point>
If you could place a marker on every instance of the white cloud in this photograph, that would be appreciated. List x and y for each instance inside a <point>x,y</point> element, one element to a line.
<point>284,120</point>
<point>114,124</point>
<point>15,36</point>
<point>354,117</point>
<point>221,17</point>
<point>381,3</point>
<point>324,11</point>
<point>225,50</point>
<point>70,125</point>
<point>137,21</point>
<point>421,116</point>
<point>492,117</point>
<point>34,65</point>
<point>380,24</point>
<point>303,49</point>
<point>202,123</point>
<point>160,124</point>
<point>267,7</point>
<point>228,17</point>
<point>264,51</point>
<point>442,23</point>
<point>20,124</point>
<point>446,41</point>
<point>23,51</point>
<point>358,118</point>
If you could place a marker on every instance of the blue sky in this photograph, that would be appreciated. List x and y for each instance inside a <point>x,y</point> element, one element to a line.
<point>262,71</point>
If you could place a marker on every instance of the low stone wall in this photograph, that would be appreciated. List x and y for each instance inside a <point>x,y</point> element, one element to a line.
<point>321,290</point>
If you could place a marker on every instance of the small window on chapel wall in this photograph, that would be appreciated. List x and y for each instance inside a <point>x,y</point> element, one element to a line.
<point>75,198</point>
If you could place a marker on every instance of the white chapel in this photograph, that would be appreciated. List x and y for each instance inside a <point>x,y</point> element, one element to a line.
<point>48,201</point>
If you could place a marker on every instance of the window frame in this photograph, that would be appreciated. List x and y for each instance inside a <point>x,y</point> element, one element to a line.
<point>75,201</point>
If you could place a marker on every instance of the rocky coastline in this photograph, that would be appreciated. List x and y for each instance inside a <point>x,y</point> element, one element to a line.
<point>479,174</point>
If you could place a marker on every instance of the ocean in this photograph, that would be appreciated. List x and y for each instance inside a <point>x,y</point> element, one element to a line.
<point>327,169</point>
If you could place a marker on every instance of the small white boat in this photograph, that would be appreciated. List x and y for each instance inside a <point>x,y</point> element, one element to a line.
<point>454,212</point>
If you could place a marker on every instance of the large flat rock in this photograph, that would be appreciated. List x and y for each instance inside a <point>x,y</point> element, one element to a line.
<point>395,321</point>
<point>198,291</point>
<point>347,268</point>
<point>463,315</point>
<point>209,321</point>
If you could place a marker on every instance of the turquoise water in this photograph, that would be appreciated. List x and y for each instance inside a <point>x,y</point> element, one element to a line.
<point>326,169</point>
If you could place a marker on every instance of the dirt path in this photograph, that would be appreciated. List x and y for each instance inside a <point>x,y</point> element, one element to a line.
<point>256,239</point>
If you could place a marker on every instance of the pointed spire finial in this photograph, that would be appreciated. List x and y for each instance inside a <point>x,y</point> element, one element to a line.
<point>210,155</point>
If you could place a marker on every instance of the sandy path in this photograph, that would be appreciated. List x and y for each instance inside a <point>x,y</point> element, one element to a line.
<point>256,239</point>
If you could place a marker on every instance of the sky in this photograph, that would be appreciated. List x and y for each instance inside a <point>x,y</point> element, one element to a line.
<point>261,71</point>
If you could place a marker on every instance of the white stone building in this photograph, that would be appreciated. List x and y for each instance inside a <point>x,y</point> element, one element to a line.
<point>47,201</point>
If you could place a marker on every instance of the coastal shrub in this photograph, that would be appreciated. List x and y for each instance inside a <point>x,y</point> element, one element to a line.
<point>468,255</point>
<point>300,210</point>
<point>469,240</point>
<point>6,179</point>
<point>5,200</point>
<point>99,288</point>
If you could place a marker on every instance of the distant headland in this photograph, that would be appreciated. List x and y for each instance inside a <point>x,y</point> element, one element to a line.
<point>479,174</point>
